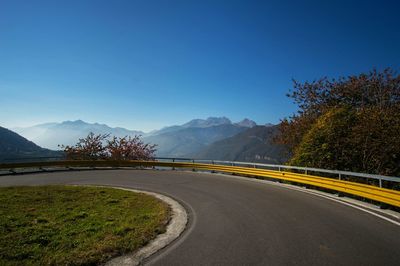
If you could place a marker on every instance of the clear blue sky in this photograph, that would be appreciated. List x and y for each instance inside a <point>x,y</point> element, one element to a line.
<point>148,64</point>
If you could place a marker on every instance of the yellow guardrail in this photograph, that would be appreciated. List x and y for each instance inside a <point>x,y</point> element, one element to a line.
<point>383,195</point>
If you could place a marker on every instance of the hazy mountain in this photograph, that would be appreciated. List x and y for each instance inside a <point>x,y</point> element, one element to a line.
<point>184,141</point>
<point>173,141</point>
<point>33,132</point>
<point>246,123</point>
<point>51,135</point>
<point>209,122</point>
<point>204,123</point>
<point>14,146</point>
<point>165,130</point>
<point>252,145</point>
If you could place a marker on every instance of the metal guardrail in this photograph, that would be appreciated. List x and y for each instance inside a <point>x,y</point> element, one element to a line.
<point>278,172</point>
<point>339,174</point>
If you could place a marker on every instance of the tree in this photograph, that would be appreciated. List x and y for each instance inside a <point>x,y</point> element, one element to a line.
<point>100,147</point>
<point>89,148</point>
<point>325,144</point>
<point>375,138</point>
<point>128,148</point>
<point>351,123</point>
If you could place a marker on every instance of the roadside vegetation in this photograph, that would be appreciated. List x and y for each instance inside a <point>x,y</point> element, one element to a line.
<point>102,147</point>
<point>351,123</point>
<point>69,225</point>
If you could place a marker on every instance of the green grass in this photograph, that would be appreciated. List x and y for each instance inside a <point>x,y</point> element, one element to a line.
<point>68,225</point>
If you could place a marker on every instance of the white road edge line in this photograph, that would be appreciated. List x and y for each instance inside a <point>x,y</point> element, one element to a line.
<point>356,207</point>
<point>175,227</point>
<point>317,193</point>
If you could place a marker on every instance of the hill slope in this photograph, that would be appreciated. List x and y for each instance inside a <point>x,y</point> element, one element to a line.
<point>253,145</point>
<point>14,146</point>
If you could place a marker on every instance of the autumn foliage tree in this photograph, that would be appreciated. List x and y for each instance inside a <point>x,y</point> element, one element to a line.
<point>102,147</point>
<point>129,148</point>
<point>351,123</point>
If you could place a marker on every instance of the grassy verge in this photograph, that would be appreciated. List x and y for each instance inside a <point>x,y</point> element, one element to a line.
<point>66,225</point>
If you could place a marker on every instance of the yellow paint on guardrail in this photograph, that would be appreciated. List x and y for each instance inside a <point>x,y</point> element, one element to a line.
<point>378,194</point>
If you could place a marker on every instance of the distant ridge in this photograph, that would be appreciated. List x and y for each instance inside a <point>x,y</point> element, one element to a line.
<point>50,135</point>
<point>185,141</point>
<point>209,122</point>
<point>246,123</point>
<point>252,145</point>
<point>204,123</point>
<point>193,136</point>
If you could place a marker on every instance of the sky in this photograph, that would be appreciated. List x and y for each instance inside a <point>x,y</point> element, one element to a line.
<point>146,64</point>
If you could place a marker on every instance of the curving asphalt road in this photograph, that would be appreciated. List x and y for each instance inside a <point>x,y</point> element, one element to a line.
<point>239,222</point>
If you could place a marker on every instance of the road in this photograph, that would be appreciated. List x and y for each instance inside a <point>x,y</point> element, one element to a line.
<point>239,222</point>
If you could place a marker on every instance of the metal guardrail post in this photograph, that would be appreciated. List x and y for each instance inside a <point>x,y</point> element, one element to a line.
<point>380,182</point>
<point>213,163</point>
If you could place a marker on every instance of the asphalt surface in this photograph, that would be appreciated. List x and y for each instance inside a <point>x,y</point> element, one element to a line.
<point>239,222</point>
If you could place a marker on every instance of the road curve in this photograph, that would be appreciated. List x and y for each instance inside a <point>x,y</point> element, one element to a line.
<point>239,222</point>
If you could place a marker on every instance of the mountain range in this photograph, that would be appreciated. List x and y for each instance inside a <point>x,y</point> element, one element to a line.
<point>184,141</point>
<point>51,135</point>
<point>212,138</point>
<point>252,145</point>
<point>195,135</point>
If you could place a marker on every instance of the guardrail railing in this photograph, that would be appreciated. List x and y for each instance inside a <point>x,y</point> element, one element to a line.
<point>306,170</point>
<point>341,181</point>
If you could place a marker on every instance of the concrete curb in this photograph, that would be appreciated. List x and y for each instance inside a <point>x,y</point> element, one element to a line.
<point>175,228</point>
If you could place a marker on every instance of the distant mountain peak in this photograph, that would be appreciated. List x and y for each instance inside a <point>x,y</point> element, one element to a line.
<point>77,122</point>
<point>220,119</point>
<point>246,123</point>
<point>209,122</point>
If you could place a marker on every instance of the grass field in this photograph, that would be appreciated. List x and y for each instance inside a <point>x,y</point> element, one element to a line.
<point>68,225</point>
